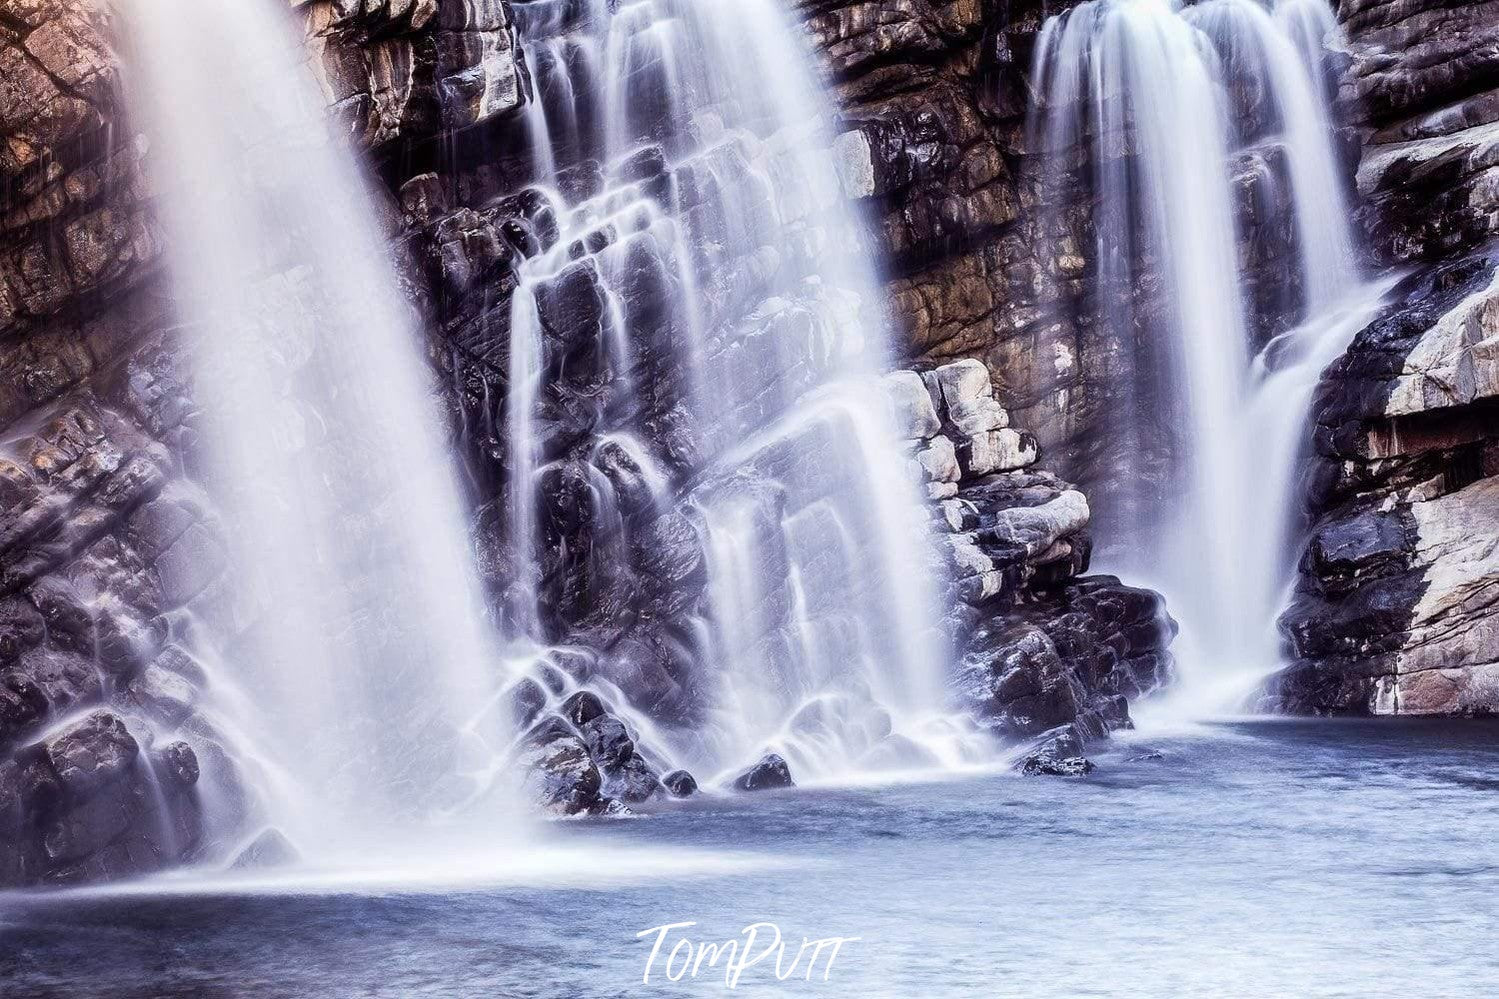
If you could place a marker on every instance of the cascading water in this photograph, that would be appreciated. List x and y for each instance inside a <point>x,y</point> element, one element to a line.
<point>354,628</point>
<point>1167,103</point>
<point>1312,27</point>
<point>817,638</point>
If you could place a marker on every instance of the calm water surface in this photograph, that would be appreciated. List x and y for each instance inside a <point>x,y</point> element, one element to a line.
<point>1248,859</point>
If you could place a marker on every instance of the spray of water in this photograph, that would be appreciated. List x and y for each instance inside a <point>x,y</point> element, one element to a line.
<point>365,701</point>
<point>1154,94</point>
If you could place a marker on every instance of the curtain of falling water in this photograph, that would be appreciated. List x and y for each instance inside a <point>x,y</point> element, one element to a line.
<point>820,633</point>
<point>1151,92</point>
<point>351,623</point>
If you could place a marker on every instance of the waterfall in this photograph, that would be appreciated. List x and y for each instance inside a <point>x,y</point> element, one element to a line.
<point>353,627</point>
<point>724,280</point>
<point>1172,107</point>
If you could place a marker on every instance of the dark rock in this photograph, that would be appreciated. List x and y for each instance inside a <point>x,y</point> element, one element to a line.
<point>23,706</point>
<point>680,784</point>
<point>557,770</point>
<point>632,781</point>
<point>770,773</point>
<point>1388,615</point>
<point>97,751</point>
<point>1046,765</point>
<point>527,700</point>
<point>177,764</point>
<point>552,678</point>
<point>608,741</point>
<point>583,707</point>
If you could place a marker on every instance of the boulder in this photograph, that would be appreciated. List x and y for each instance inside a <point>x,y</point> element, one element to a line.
<point>97,751</point>
<point>526,700</point>
<point>996,451</point>
<point>914,414</point>
<point>608,741</point>
<point>938,459</point>
<point>1046,765</point>
<point>176,764</point>
<point>583,707</point>
<point>632,781</point>
<point>768,774</point>
<point>680,784</point>
<point>968,404</point>
<point>557,771</point>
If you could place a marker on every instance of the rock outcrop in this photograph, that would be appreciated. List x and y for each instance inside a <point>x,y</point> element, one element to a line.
<point>934,99</point>
<point>987,252</point>
<point>1043,649</point>
<point>1424,85</point>
<point>1397,610</point>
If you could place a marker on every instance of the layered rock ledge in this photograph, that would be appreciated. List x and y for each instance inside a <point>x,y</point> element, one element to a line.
<point>1045,652</point>
<point>1397,610</point>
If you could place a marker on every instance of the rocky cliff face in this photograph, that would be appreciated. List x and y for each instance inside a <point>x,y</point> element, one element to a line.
<point>934,98</point>
<point>1396,602</point>
<point>1397,610</point>
<point>984,246</point>
<point>101,540</point>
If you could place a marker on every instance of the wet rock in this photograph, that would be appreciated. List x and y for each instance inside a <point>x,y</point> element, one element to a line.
<point>583,707</point>
<point>632,781</point>
<point>1393,612</point>
<point>23,706</point>
<point>166,695</point>
<point>527,700</point>
<point>1058,753</point>
<point>680,784</point>
<point>557,771</point>
<point>768,774</point>
<point>1423,75</point>
<point>1072,657</point>
<point>93,753</point>
<point>911,404</point>
<point>967,398</point>
<point>996,451</point>
<point>938,459</point>
<point>1046,765</point>
<point>269,849</point>
<point>176,764</point>
<point>608,741</point>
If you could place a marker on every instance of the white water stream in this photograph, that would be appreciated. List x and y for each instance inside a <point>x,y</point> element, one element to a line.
<point>819,635</point>
<point>361,660</point>
<point>1166,97</point>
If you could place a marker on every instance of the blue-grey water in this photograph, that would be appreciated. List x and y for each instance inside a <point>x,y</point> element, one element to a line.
<point>1281,859</point>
